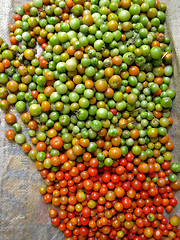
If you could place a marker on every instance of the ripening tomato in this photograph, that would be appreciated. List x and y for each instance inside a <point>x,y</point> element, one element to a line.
<point>56,142</point>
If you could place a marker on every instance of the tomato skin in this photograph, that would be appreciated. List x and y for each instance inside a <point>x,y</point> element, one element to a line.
<point>136,185</point>
<point>129,157</point>
<point>10,135</point>
<point>41,146</point>
<point>56,142</point>
<point>126,202</point>
<point>17,17</point>
<point>134,71</point>
<point>55,161</point>
<point>84,231</point>
<point>120,170</point>
<point>119,192</point>
<point>86,212</point>
<point>55,221</point>
<point>158,234</point>
<point>26,147</point>
<point>47,198</point>
<point>114,111</point>
<point>10,118</point>
<point>115,153</point>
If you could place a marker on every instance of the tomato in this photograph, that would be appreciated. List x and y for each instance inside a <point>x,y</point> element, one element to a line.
<point>10,118</point>
<point>114,111</point>
<point>126,202</point>
<point>129,157</point>
<point>47,198</point>
<point>10,135</point>
<point>119,192</point>
<point>56,142</point>
<point>115,153</point>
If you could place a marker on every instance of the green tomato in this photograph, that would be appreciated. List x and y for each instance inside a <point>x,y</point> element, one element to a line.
<point>17,127</point>
<point>98,45</point>
<point>35,110</point>
<point>154,88</point>
<point>112,132</point>
<point>120,234</point>
<point>26,36</point>
<point>171,93</point>
<point>64,120</point>
<point>20,106</point>
<point>3,78</point>
<point>152,3</point>
<point>75,23</point>
<point>82,114</point>
<point>85,62</point>
<point>168,71</point>
<point>100,157</point>
<point>55,97</point>
<point>118,96</point>
<point>162,131</point>
<point>41,136</point>
<point>74,97</point>
<point>92,147</point>
<point>62,37</point>
<point>20,139</point>
<point>20,11</point>
<point>128,58</point>
<point>41,156</point>
<point>96,125</point>
<point>124,16</point>
<point>71,64</point>
<point>90,71</point>
<point>80,88</point>
<point>166,102</point>
<point>7,54</point>
<point>175,167</point>
<point>102,113</point>
<point>172,177</point>
<point>108,37</point>
<point>151,217</point>
<point>62,89</point>
<point>164,122</point>
<point>136,150</point>
<point>47,163</point>
<point>88,93</point>
<point>83,102</point>
<point>38,3</point>
<point>124,150</point>
<point>108,162</point>
<point>156,52</point>
<point>135,9</point>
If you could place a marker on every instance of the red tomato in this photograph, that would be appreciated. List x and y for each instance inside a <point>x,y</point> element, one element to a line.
<point>114,111</point>
<point>126,202</point>
<point>56,142</point>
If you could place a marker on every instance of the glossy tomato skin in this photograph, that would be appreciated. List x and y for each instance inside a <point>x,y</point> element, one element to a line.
<point>56,142</point>
<point>114,111</point>
<point>129,157</point>
<point>126,202</point>
<point>55,221</point>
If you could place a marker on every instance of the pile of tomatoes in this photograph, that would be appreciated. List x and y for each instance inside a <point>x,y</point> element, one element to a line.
<point>97,105</point>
